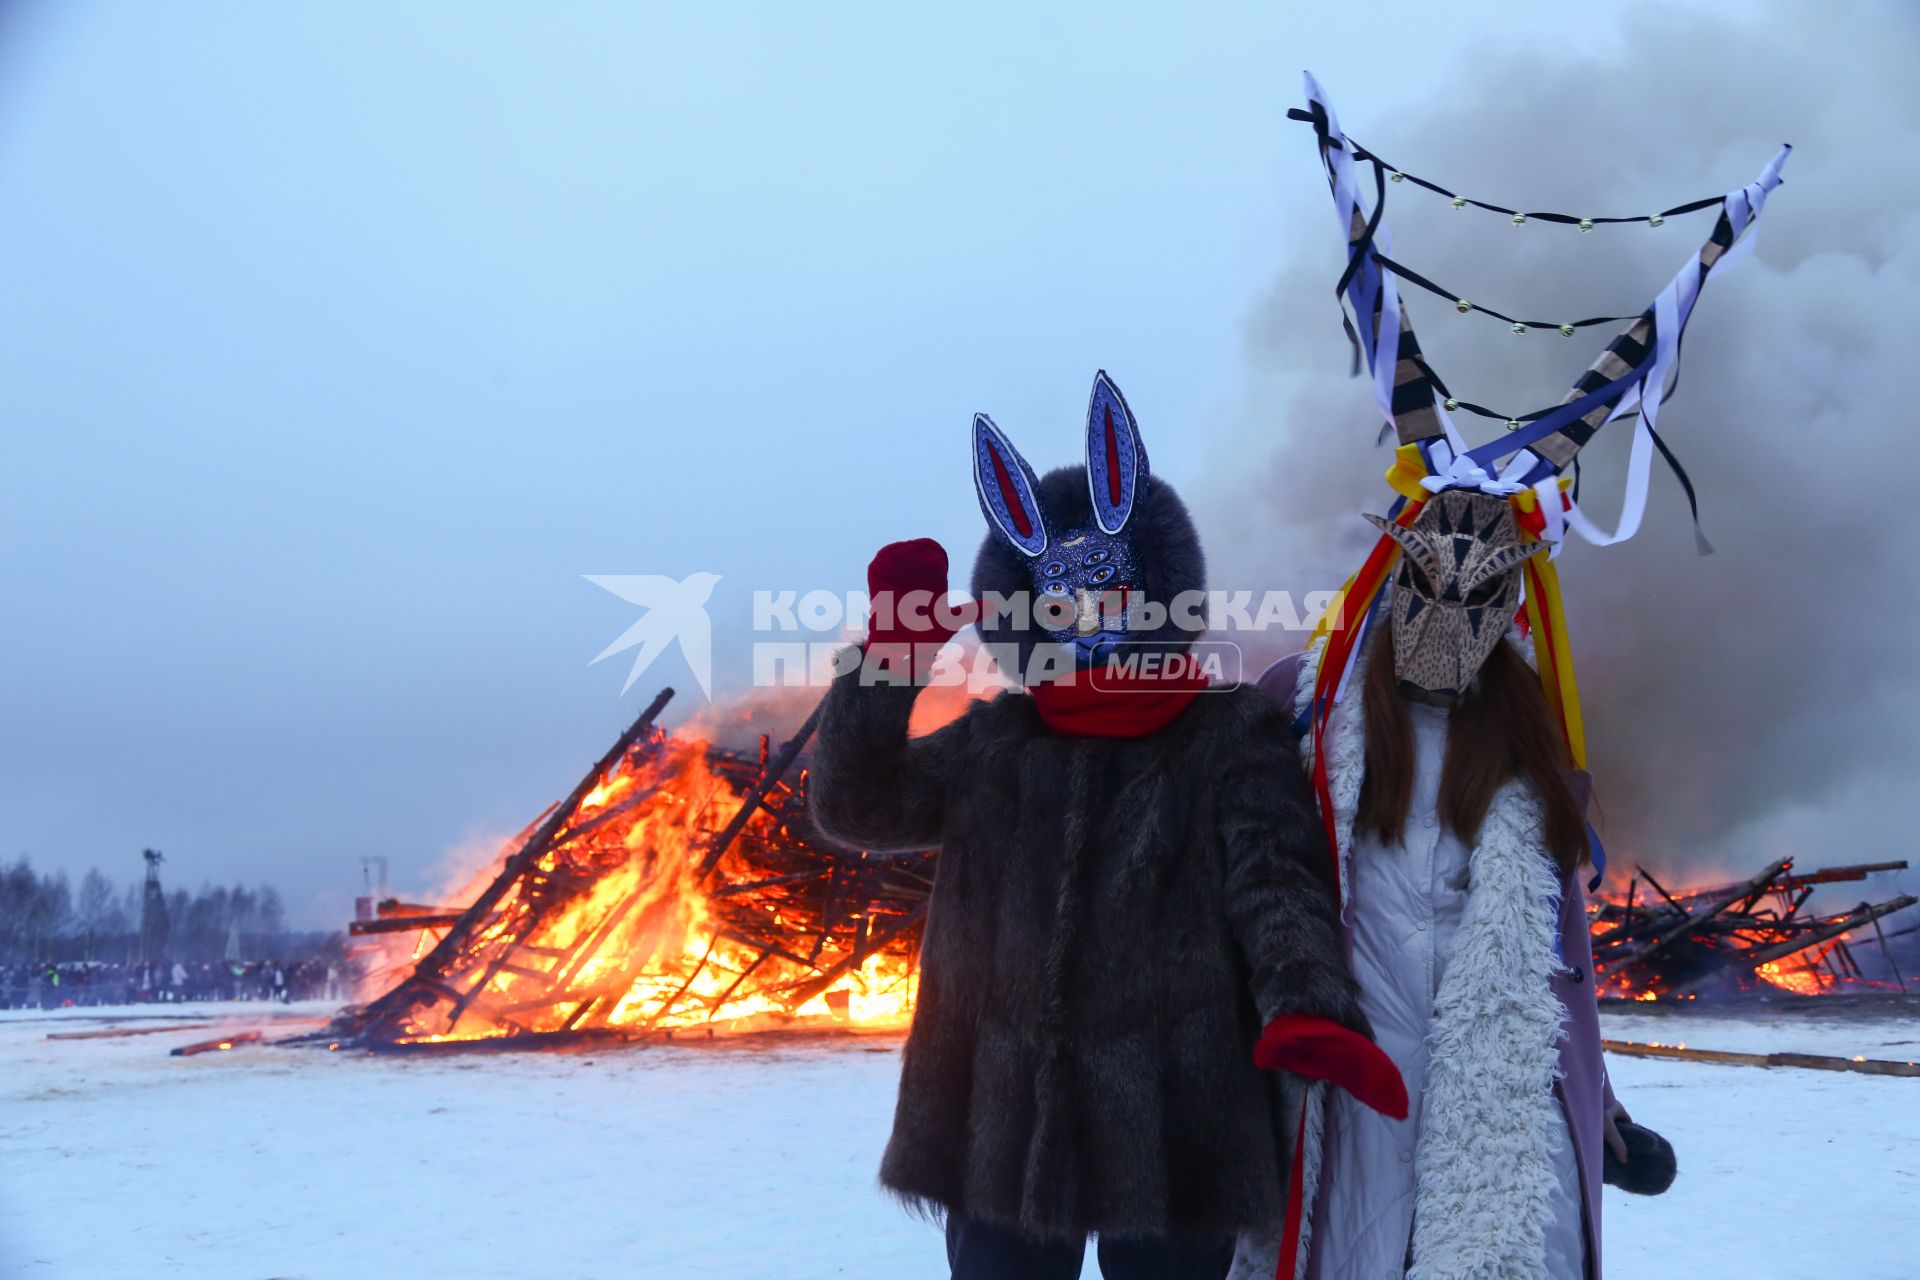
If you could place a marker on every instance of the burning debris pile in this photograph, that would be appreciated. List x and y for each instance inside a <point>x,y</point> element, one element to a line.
<point>680,886</point>
<point>1753,936</point>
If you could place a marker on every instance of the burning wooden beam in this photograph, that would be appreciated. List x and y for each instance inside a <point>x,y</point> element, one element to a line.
<point>1677,945</point>
<point>114,1033</point>
<point>1754,958</point>
<point>679,885</point>
<point>770,773</point>
<point>220,1045</point>
<point>1836,875</point>
<point>1811,1061</point>
<point>1690,921</point>
<point>404,924</point>
<point>396,1003</point>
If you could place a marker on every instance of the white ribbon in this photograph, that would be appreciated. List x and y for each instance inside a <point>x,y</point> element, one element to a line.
<point>1456,444</point>
<point>1464,473</point>
<point>1671,311</point>
<point>1382,342</point>
<point>1386,349</point>
<point>1547,494</point>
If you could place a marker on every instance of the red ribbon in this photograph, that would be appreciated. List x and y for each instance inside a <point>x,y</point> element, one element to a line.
<point>1288,1265</point>
<point>1534,518</point>
<point>1334,660</point>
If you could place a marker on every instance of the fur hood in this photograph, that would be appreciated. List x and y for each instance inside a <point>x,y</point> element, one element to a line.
<point>1165,542</point>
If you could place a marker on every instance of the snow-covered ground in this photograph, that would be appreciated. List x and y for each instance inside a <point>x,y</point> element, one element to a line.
<point>756,1161</point>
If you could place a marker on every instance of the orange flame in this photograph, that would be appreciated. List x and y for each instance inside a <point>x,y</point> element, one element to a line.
<point>614,927</point>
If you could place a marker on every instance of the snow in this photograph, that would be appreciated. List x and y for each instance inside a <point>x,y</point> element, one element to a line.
<point>756,1160</point>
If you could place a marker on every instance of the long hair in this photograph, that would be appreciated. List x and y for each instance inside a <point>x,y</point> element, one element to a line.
<point>1501,730</point>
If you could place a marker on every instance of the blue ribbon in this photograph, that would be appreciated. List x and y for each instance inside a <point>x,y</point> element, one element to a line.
<point>1598,852</point>
<point>1553,420</point>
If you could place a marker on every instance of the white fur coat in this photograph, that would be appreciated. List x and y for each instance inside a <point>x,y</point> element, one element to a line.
<point>1487,1183</point>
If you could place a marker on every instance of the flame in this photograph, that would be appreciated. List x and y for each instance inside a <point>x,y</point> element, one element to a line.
<point>614,927</point>
<point>1802,978</point>
<point>1807,972</point>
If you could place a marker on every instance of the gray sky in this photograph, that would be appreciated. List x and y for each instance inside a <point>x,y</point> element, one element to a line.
<point>337,341</point>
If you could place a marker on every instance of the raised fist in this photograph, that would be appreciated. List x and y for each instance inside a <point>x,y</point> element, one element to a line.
<point>907,582</point>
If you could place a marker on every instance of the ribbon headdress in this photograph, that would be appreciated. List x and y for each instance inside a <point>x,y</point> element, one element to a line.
<point>1528,465</point>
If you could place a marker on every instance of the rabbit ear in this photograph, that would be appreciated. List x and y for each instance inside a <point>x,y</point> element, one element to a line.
<point>1116,459</point>
<point>1007,488</point>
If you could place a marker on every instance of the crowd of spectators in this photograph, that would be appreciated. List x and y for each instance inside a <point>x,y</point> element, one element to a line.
<point>87,982</point>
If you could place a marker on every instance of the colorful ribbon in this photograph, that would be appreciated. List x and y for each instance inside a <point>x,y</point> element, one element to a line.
<point>1547,624</point>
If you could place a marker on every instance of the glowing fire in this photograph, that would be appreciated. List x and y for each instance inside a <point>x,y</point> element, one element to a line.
<point>1800,974</point>
<point>1804,981</point>
<point>619,926</point>
<point>1653,943</point>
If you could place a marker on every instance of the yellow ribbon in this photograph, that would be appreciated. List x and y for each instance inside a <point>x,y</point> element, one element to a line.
<point>1552,651</point>
<point>1407,471</point>
<point>1404,477</point>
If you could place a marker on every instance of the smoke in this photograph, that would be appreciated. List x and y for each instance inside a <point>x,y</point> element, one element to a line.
<point>1747,704</point>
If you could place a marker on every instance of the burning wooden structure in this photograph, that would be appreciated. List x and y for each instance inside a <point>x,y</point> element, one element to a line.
<point>678,888</point>
<point>1650,944</point>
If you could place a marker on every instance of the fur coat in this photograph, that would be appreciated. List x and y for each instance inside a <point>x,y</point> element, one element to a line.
<point>1111,924</point>
<point>1514,1048</point>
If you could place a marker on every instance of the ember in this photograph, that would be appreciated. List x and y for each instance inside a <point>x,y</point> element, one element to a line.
<point>1754,936</point>
<point>680,886</point>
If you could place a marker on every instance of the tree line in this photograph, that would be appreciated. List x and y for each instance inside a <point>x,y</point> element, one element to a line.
<point>45,918</point>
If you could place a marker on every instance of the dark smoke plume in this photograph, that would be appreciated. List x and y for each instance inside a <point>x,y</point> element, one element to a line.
<point>1758,701</point>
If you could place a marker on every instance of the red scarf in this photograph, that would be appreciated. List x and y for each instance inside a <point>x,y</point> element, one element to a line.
<point>1121,705</point>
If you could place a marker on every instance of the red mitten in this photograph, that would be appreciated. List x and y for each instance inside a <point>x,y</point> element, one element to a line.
<point>1325,1050</point>
<point>898,571</point>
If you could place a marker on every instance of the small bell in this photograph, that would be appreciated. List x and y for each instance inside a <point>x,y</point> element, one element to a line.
<point>1519,219</point>
<point>1655,220</point>
<point>1513,424</point>
<point>1586,224</point>
<point>1463,306</point>
<point>1518,327</point>
<point>1452,403</point>
<point>1459,202</point>
<point>1397,176</point>
<point>1566,331</point>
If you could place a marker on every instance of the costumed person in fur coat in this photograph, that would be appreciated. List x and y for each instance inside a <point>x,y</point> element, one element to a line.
<point>1461,829</point>
<point>1447,758</point>
<point>1131,885</point>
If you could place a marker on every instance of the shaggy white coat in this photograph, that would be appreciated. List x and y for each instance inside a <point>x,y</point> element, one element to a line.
<point>1491,1121</point>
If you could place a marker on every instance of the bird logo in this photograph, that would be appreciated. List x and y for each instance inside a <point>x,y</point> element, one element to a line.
<point>675,610</point>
